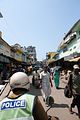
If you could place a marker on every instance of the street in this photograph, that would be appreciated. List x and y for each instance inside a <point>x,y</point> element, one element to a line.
<point>60,108</point>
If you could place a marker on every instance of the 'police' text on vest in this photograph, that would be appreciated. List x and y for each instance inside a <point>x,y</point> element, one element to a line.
<point>13,104</point>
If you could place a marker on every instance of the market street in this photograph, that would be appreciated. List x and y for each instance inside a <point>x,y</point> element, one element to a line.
<point>60,108</point>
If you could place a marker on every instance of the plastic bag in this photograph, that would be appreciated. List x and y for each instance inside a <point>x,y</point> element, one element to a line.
<point>67,92</point>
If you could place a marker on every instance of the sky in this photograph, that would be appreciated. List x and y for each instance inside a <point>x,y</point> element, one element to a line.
<point>38,23</point>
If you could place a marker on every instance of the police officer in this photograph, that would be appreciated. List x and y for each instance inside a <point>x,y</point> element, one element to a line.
<point>19,105</point>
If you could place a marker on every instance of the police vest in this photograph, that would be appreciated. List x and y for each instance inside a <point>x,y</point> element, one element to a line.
<point>17,109</point>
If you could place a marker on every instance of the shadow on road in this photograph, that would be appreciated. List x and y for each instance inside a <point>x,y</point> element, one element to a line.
<point>52,118</point>
<point>59,88</point>
<point>75,113</point>
<point>60,105</point>
<point>57,106</point>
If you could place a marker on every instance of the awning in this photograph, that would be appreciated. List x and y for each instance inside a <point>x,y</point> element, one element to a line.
<point>50,61</point>
<point>75,59</point>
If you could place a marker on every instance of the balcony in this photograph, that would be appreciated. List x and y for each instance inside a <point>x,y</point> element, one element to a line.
<point>70,37</point>
<point>67,40</point>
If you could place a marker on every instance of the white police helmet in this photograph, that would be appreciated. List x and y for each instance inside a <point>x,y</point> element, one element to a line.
<point>76,67</point>
<point>19,80</point>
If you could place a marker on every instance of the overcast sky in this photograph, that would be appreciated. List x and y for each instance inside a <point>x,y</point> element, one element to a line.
<point>39,23</point>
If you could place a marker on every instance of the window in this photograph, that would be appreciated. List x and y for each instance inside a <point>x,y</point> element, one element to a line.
<point>70,49</point>
<point>1,46</point>
<point>74,47</point>
<point>65,49</point>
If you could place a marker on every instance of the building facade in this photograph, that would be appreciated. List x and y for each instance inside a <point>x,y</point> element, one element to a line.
<point>50,56</point>
<point>16,53</point>
<point>30,52</point>
<point>69,48</point>
<point>4,50</point>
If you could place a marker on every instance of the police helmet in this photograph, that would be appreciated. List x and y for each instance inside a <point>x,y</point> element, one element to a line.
<point>19,80</point>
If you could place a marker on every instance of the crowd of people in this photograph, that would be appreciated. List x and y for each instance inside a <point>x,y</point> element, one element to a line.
<point>6,71</point>
<point>26,105</point>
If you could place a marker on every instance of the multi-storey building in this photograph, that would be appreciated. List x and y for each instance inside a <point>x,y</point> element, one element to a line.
<point>69,48</point>
<point>30,52</point>
<point>4,50</point>
<point>50,56</point>
<point>16,53</point>
<point>19,56</point>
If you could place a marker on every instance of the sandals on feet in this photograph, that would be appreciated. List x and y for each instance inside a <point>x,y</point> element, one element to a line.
<point>70,110</point>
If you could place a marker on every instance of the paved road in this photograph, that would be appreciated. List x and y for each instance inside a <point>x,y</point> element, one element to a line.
<point>61,104</point>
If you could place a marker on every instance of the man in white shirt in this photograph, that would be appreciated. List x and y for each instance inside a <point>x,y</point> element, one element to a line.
<point>46,87</point>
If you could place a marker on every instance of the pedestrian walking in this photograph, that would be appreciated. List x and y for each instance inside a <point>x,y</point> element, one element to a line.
<point>56,77</point>
<point>75,81</point>
<point>36,79</point>
<point>45,82</point>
